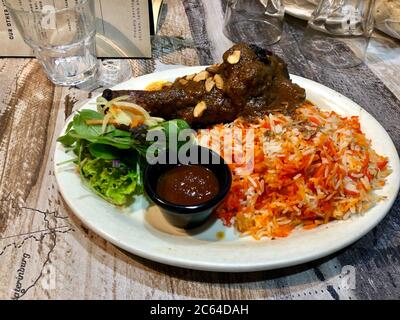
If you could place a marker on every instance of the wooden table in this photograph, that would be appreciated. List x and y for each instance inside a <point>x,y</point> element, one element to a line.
<point>46,252</point>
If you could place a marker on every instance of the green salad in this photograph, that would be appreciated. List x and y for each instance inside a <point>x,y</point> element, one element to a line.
<point>111,153</point>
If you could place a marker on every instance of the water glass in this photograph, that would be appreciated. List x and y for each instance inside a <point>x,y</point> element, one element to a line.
<point>62,36</point>
<point>257,22</point>
<point>387,17</point>
<point>338,33</point>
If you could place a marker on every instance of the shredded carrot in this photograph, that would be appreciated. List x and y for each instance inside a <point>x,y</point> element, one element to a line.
<point>137,121</point>
<point>95,122</point>
<point>128,109</point>
<point>309,168</point>
<point>310,226</point>
<point>315,121</point>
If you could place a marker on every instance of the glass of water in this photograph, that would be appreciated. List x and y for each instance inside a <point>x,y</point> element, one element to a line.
<point>257,22</point>
<point>62,36</point>
<point>338,33</point>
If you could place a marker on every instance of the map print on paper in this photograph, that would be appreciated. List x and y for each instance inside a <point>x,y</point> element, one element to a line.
<point>27,253</point>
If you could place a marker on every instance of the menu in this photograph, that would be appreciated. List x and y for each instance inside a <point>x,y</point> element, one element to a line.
<point>124,28</point>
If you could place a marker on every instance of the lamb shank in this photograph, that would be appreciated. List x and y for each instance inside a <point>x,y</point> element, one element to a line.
<point>251,82</point>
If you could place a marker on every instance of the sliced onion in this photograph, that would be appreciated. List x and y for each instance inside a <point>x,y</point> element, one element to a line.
<point>158,120</point>
<point>103,104</point>
<point>120,116</point>
<point>106,119</point>
<point>101,101</point>
<point>153,121</point>
<point>135,107</point>
<point>150,123</point>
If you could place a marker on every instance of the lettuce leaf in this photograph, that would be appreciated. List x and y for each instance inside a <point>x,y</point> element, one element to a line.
<point>113,181</point>
<point>111,163</point>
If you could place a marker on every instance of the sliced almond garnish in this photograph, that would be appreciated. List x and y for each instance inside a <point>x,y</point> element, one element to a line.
<point>183,81</point>
<point>234,57</point>
<point>213,69</point>
<point>219,82</point>
<point>209,84</point>
<point>190,76</point>
<point>201,76</point>
<point>199,109</point>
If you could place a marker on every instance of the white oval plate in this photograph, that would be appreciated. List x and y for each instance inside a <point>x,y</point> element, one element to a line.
<point>145,233</point>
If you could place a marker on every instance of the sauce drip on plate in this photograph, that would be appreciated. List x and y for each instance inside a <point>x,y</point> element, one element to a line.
<point>188,185</point>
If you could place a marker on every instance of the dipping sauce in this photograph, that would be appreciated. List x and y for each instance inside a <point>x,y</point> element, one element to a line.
<point>188,185</point>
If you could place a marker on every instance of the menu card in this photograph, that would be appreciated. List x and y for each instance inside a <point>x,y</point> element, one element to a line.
<point>124,28</point>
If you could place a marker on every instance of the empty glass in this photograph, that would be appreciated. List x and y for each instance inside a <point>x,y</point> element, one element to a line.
<point>114,71</point>
<point>257,22</point>
<point>62,35</point>
<point>387,17</point>
<point>338,33</point>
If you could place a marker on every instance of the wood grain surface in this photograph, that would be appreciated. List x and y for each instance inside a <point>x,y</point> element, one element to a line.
<point>47,253</point>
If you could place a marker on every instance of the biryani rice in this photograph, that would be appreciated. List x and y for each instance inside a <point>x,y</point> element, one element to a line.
<point>308,169</point>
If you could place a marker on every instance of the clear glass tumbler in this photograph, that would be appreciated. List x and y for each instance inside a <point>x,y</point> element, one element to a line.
<point>62,35</point>
<point>338,33</point>
<point>387,16</point>
<point>257,22</point>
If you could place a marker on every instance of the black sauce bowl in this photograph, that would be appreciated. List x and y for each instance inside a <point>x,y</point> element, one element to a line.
<point>192,216</point>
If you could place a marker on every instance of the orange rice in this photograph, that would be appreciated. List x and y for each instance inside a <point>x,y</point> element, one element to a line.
<point>308,169</point>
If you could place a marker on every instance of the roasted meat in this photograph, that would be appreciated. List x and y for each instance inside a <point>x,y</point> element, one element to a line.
<point>250,82</point>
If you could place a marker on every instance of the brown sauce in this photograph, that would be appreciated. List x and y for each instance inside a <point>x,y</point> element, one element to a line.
<point>188,185</point>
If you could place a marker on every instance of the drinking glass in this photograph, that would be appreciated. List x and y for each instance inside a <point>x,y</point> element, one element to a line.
<point>257,22</point>
<point>387,16</point>
<point>62,36</point>
<point>114,71</point>
<point>338,33</point>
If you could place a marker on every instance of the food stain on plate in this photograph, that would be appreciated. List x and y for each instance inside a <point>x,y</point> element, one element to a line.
<point>220,235</point>
<point>156,219</point>
<point>210,231</point>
